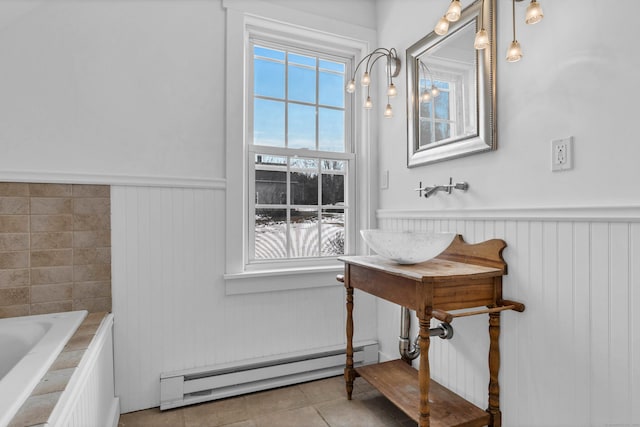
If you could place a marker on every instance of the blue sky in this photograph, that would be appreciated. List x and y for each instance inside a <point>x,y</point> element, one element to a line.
<point>304,74</point>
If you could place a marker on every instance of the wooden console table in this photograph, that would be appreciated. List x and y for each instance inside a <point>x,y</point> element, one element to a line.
<point>464,276</point>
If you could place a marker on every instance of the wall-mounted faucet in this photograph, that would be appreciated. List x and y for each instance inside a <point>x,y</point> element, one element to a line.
<point>428,191</point>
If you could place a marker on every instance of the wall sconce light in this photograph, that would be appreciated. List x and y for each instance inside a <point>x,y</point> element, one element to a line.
<point>427,93</point>
<point>533,15</point>
<point>392,70</point>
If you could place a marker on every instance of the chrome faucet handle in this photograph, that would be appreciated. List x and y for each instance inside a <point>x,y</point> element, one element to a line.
<point>420,190</point>
<point>464,186</point>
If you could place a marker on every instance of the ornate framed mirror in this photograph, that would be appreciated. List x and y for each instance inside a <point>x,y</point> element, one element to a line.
<point>451,90</point>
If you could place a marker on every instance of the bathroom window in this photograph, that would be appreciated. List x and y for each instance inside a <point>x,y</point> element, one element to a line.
<point>299,154</point>
<point>299,150</point>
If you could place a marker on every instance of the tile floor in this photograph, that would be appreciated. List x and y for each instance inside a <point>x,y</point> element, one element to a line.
<point>319,403</point>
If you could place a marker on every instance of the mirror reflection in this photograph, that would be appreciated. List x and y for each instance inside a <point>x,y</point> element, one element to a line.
<point>447,88</point>
<point>451,90</point>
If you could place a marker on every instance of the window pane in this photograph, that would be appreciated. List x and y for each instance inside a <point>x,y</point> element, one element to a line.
<point>332,189</point>
<point>268,122</point>
<point>331,89</point>
<point>303,233</point>
<point>271,234</point>
<point>265,52</point>
<point>271,187</point>
<point>425,109</point>
<point>302,84</point>
<point>331,65</point>
<point>302,126</point>
<point>332,231</point>
<point>268,78</point>
<point>331,130</point>
<point>442,106</point>
<point>443,131</point>
<point>333,165</point>
<point>426,134</point>
<point>304,182</point>
<point>302,60</point>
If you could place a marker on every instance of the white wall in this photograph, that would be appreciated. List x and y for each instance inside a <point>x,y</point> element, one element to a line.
<point>571,358</point>
<point>113,87</point>
<point>133,93</point>
<point>577,78</point>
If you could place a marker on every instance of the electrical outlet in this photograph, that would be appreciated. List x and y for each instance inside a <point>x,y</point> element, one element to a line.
<point>384,180</point>
<point>562,154</point>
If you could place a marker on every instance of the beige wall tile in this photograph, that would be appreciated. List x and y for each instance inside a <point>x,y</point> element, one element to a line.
<point>50,190</point>
<point>14,296</point>
<point>14,205</point>
<point>41,239</point>
<point>91,290</point>
<point>83,256</point>
<point>49,240</point>
<point>36,410</point>
<point>83,222</point>
<point>14,260</point>
<point>67,359</point>
<point>51,307</point>
<point>84,190</point>
<point>91,239</point>
<point>51,205</point>
<point>51,293</point>
<point>51,257</point>
<point>93,304</point>
<point>91,272</point>
<point>48,275</point>
<point>14,278</point>
<point>91,206</point>
<point>14,242</point>
<point>14,189</point>
<point>14,311</point>
<point>51,223</point>
<point>14,223</point>
<point>54,380</point>
<point>78,342</point>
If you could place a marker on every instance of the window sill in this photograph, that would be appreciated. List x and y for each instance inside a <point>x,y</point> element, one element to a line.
<point>250,282</point>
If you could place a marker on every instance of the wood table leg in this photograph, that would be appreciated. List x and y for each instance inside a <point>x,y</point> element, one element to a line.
<point>349,373</point>
<point>494,369</point>
<point>424,373</point>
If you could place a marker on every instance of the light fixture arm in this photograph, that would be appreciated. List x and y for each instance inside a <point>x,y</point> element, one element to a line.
<point>392,61</point>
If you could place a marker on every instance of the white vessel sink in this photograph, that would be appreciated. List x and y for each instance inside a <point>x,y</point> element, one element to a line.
<point>407,247</point>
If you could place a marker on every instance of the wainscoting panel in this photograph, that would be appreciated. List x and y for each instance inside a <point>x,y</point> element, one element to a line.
<point>171,311</point>
<point>573,357</point>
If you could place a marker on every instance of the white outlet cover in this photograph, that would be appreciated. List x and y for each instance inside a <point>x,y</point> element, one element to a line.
<point>562,154</point>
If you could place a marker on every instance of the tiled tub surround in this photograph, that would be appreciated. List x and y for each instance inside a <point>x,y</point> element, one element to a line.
<point>55,248</point>
<point>77,390</point>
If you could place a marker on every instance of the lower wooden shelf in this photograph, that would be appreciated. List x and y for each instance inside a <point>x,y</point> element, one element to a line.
<point>399,383</point>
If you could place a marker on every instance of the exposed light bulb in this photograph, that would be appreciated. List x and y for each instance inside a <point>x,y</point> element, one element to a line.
<point>514,53</point>
<point>366,79</point>
<point>388,112</point>
<point>454,11</point>
<point>435,91</point>
<point>442,27</point>
<point>426,96</point>
<point>368,104</point>
<point>391,90</point>
<point>482,40</point>
<point>351,86</point>
<point>534,13</point>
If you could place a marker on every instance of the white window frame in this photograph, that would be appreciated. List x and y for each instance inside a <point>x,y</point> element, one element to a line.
<point>245,19</point>
<point>347,156</point>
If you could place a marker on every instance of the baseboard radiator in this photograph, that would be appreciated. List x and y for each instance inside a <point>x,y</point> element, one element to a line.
<point>217,382</point>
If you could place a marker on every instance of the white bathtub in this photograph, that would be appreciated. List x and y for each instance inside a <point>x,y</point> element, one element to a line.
<point>28,347</point>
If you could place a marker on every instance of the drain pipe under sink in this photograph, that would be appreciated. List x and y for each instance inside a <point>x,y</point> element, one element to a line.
<point>410,350</point>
